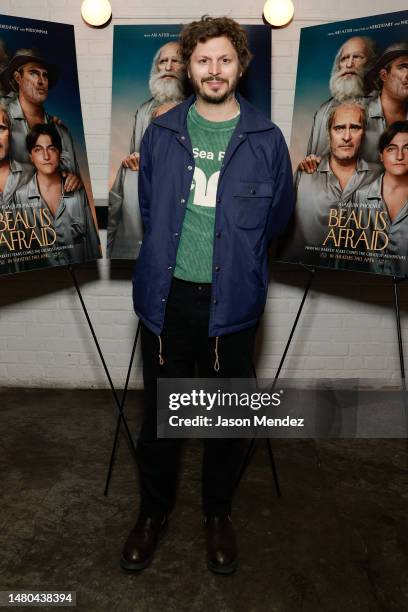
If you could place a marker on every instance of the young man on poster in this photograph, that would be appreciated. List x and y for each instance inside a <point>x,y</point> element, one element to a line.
<point>70,234</point>
<point>30,76</point>
<point>334,184</point>
<point>215,187</point>
<point>389,194</point>
<point>166,85</point>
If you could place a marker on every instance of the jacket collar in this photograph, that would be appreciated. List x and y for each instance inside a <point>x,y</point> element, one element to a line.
<point>250,120</point>
<point>361,165</point>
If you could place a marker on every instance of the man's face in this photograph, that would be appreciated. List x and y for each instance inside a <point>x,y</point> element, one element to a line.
<point>353,57</point>
<point>395,155</point>
<point>45,156</point>
<point>169,63</point>
<point>214,70</point>
<point>346,133</point>
<point>4,137</point>
<point>166,79</point>
<point>395,78</point>
<point>347,77</point>
<point>32,81</point>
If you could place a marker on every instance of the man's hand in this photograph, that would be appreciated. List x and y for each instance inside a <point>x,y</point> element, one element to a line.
<point>131,161</point>
<point>309,164</point>
<point>72,182</point>
<point>56,120</point>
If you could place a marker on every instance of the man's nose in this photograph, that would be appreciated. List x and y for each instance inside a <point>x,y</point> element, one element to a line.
<point>213,67</point>
<point>400,154</point>
<point>350,62</point>
<point>169,65</point>
<point>347,134</point>
<point>46,154</point>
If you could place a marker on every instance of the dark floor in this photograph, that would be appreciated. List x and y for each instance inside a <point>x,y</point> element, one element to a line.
<point>336,541</point>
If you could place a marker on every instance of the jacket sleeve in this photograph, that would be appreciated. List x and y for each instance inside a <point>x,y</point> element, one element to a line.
<point>283,201</point>
<point>144,186</point>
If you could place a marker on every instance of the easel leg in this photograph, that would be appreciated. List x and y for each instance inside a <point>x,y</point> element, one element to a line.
<point>129,435</point>
<point>251,447</point>
<point>122,404</point>
<point>396,282</point>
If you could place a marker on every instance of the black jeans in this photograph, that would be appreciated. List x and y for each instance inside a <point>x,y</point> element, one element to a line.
<point>187,351</point>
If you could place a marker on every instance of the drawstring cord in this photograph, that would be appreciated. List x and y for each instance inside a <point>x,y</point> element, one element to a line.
<point>217,359</point>
<point>161,360</point>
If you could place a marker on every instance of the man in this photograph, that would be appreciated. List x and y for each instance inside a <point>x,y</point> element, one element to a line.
<point>352,61</point>
<point>166,85</point>
<point>12,176</point>
<point>389,103</point>
<point>389,193</point>
<point>66,217</point>
<point>331,188</point>
<point>215,187</point>
<point>30,76</point>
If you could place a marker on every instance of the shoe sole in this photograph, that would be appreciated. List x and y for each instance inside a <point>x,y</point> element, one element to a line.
<point>223,570</point>
<point>138,567</point>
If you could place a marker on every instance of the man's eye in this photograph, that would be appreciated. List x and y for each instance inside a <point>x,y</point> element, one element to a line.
<point>3,128</point>
<point>202,61</point>
<point>226,60</point>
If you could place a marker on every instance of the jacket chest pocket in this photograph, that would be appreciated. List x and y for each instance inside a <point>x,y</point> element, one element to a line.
<point>251,203</point>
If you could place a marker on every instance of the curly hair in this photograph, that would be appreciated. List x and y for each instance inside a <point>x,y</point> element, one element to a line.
<point>214,27</point>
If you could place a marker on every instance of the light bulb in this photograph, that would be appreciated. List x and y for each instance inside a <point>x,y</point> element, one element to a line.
<point>278,12</point>
<point>96,13</point>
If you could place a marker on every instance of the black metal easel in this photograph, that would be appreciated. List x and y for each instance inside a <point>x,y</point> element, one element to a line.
<point>251,447</point>
<point>396,283</point>
<point>115,395</point>
<point>120,416</point>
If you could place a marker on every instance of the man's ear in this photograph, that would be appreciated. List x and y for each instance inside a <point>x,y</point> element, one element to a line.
<point>383,74</point>
<point>17,77</point>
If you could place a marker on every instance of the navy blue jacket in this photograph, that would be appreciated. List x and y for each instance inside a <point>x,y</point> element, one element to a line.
<point>254,202</point>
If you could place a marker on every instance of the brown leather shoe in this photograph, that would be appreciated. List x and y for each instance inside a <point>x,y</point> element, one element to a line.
<point>222,554</point>
<point>142,541</point>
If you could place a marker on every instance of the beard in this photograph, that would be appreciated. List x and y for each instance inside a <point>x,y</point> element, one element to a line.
<point>166,90</point>
<point>342,87</point>
<point>215,98</point>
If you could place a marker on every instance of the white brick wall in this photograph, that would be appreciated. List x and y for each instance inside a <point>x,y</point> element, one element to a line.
<point>348,326</point>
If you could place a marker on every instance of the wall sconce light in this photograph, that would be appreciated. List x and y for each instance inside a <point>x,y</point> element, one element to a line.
<point>278,12</point>
<point>96,13</point>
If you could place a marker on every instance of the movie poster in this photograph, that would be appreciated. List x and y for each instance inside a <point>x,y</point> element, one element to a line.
<point>47,215</point>
<point>141,54</point>
<point>349,147</point>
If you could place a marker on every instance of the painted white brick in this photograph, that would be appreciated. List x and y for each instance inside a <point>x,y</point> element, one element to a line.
<point>336,337</point>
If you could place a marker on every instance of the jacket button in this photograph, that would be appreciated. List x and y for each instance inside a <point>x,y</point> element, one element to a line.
<point>218,200</point>
<point>163,299</point>
<point>217,268</point>
<point>240,135</point>
<point>214,301</point>
<point>189,167</point>
<point>175,234</point>
<point>170,267</point>
<point>182,137</point>
<point>218,235</point>
<point>182,201</point>
<point>253,191</point>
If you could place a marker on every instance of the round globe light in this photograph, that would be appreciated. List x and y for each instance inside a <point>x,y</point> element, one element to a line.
<point>96,13</point>
<point>278,12</point>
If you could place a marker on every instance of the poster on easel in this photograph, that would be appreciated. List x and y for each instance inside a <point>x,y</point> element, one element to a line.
<point>349,147</point>
<point>146,88</point>
<point>47,214</point>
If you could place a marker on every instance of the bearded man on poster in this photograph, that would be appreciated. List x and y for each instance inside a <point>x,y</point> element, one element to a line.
<point>352,62</point>
<point>166,85</point>
<point>215,188</point>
